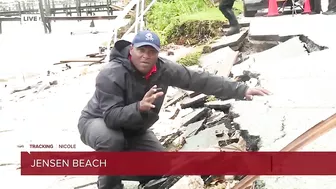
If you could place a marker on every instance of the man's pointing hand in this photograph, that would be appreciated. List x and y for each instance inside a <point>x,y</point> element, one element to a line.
<point>255,92</point>
<point>147,102</point>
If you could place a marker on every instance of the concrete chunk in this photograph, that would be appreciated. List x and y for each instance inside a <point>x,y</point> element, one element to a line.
<point>229,41</point>
<point>177,97</point>
<point>179,141</point>
<point>193,128</point>
<point>289,49</point>
<point>215,117</point>
<point>189,182</point>
<point>219,105</point>
<point>194,116</point>
<point>205,139</point>
<point>219,62</point>
<point>154,184</point>
<point>194,102</point>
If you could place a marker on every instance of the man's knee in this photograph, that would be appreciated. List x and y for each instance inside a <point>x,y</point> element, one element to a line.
<point>145,142</point>
<point>99,137</point>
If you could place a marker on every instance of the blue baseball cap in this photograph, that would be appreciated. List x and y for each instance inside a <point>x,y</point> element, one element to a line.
<point>146,37</point>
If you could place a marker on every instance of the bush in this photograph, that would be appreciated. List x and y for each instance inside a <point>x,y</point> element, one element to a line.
<point>190,59</point>
<point>164,14</point>
<point>187,22</point>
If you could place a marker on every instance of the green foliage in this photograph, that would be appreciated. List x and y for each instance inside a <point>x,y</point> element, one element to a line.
<point>211,98</point>
<point>191,59</point>
<point>165,14</point>
<point>167,17</point>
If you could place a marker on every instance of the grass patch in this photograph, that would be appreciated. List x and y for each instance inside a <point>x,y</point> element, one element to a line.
<point>211,98</point>
<point>208,14</point>
<point>164,13</point>
<point>213,13</point>
<point>190,59</point>
<point>195,27</point>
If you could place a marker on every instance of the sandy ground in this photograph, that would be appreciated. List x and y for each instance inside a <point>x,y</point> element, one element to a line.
<point>47,117</point>
<point>27,50</point>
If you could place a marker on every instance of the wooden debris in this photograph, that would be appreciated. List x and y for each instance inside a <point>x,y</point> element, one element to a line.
<point>92,60</point>
<point>20,90</point>
<point>175,114</point>
<point>96,55</point>
<point>92,54</point>
<point>39,86</point>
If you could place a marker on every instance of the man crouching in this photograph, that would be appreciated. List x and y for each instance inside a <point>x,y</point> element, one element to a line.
<point>129,94</point>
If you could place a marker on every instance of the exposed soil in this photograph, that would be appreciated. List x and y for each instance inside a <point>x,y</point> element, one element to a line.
<point>196,32</point>
<point>250,47</point>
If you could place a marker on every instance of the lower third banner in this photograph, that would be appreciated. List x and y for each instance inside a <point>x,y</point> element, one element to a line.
<point>178,163</point>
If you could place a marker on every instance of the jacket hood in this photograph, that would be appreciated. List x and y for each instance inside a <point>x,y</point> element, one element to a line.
<point>120,50</point>
<point>121,47</point>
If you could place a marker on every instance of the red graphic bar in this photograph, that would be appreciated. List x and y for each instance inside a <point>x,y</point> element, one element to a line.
<point>178,163</point>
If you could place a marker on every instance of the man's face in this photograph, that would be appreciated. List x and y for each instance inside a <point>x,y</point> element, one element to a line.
<point>144,58</point>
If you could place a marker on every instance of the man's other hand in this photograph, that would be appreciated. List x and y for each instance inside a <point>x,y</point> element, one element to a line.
<point>147,102</point>
<point>256,92</point>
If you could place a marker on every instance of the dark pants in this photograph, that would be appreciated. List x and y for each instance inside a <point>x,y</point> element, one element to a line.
<point>316,6</point>
<point>332,5</point>
<point>225,6</point>
<point>94,133</point>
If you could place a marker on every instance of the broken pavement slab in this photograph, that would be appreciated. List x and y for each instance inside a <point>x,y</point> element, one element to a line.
<point>189,182</point>
<point>275,56</point>
<point>286,50</point>
<point>219,62</point>
<point>194,116</point>
<point>175,98</point>
<point>218,116</point>
<point>287,25</point>
<point>289,73</point>
<point>204,139</point>
<point>196,101</point>
<point>214,118</point>
<point>193,128</point>
<point>227,41</point>
<point>219,105</point>
<point>282,26</point>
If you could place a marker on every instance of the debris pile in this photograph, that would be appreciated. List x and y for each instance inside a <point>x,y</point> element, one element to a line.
<point>191,121</point>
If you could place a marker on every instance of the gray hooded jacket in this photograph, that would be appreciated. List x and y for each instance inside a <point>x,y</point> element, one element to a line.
<point>120,88</point>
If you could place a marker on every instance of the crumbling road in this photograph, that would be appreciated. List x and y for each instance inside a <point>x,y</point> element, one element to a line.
<point>299,72</point>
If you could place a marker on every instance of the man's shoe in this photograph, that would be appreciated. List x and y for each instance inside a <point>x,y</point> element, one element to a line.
<point>152,184</point>
<point>329,12</point>
<point>233,30</point>
<point>119,186</point>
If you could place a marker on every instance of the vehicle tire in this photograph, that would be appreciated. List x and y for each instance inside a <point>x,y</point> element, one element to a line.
<point>249,13</point>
